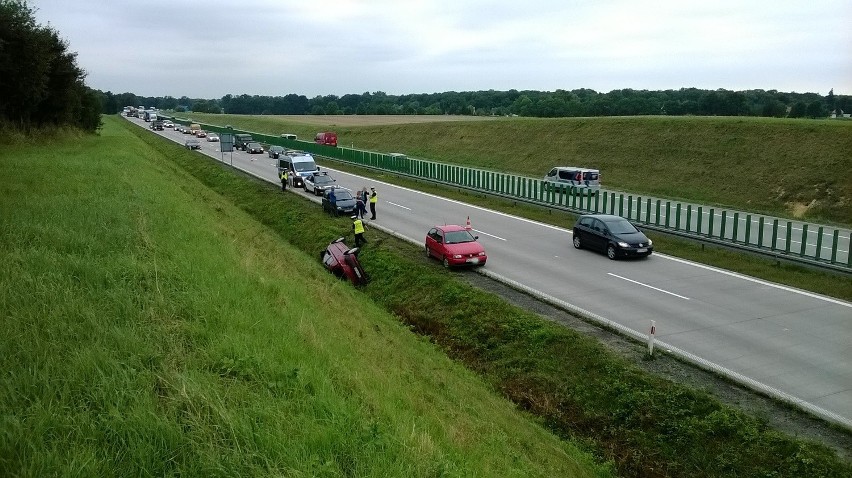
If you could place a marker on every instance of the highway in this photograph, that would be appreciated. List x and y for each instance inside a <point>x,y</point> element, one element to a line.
<point>791,344</point>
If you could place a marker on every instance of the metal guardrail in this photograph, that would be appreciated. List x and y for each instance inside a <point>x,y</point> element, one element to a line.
<point>814,245</point>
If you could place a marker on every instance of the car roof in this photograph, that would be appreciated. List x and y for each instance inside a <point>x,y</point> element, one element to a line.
<point>451,228</point>
<point>605,217</point>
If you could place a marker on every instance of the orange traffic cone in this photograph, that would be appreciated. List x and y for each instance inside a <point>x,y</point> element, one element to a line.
<point>467,226</point>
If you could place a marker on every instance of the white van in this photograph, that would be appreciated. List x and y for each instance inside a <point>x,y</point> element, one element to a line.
<point>298,165</point>
<point>570,176</point>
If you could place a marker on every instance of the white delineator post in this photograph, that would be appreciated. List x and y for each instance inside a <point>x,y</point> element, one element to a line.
<point>651,338</point>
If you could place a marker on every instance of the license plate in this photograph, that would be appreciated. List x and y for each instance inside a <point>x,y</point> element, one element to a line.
<point>642,250</point>
<point>473,261</point>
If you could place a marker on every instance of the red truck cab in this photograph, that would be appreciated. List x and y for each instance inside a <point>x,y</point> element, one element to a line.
<point>326,137</point>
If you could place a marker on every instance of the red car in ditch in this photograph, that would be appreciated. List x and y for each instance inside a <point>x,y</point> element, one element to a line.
<point>455,246</point>
<point>342,261</point>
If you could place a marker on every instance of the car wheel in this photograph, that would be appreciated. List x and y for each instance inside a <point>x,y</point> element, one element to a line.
<point>446,263</point>
<point>428,254</point>
<point>610,251</point>
<point>577,242</point>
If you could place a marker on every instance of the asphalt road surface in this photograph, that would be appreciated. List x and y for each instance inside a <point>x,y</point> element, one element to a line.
<point>791,344</point>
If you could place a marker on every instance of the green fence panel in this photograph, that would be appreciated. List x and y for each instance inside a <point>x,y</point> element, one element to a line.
<point>774,235</point>
<point>668,212</point>
<point>835,236</point>
<point>657,215</point>
<point>710,218</point>
<point>722,225</point>
<point>688,217</point>
<point>789,237</point>
<point>734,235</point>
<point>818,251</point>
<point>804,240</point>
<point>760,232</point>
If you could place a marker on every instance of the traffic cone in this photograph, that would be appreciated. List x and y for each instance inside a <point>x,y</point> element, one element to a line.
<point>467,226</point>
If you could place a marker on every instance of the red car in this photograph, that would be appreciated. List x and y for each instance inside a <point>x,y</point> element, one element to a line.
<point>343,262</point>
<point>455,246</point>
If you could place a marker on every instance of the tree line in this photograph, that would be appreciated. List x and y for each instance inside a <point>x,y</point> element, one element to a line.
<point>40,82</point>
<point>544,104</point>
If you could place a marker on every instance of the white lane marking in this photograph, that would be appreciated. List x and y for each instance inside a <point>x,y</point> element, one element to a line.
<point>489,235</point>
<point>648,286</point>
<point>758,281</point>
<point>398,205</point>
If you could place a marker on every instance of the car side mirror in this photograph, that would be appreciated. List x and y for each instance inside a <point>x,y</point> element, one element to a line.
<point>475,238</point>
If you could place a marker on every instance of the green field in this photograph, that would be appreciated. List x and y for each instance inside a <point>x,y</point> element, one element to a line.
<point>798,169</point>
<point>165,315</point>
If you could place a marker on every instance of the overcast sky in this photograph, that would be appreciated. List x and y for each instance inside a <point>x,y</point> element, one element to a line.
<point>206,49</point>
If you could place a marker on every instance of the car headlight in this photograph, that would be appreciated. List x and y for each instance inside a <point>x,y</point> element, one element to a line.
<point>481,253</point>
<point>457,256</point>
<point>650,243</point>
<point>623,244</point>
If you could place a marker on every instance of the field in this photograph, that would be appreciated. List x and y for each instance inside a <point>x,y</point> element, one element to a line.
<point>799,169</point>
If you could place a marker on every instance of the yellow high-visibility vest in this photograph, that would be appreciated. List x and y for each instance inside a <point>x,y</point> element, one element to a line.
<point>359,226</point>
<point>374,197</point>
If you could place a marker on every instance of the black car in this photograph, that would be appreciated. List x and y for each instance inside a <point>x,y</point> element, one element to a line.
<point>254,148</point>
<point>343,202</point>
<point>614,235</point>
<point>318,182</point>
<point>275,151</point>
<point>192,144</point>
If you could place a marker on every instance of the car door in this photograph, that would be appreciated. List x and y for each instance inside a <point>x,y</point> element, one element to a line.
<point>597,235</point>
<point>434,242</point>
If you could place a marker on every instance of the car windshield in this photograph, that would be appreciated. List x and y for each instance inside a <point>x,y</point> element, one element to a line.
<point>456,237</point>
<point>621,226</point>
<point>323,180</point>
<point>304,166</point>
<point>342,195</point>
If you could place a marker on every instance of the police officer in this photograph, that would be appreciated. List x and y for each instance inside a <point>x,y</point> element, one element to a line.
<point>373,200</point>
<point>358,228</point>
<point>284,178</point>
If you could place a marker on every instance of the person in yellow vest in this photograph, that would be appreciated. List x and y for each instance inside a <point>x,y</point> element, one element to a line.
<point>358,227</point>
<point>284,178</point>
<point>373,200</point>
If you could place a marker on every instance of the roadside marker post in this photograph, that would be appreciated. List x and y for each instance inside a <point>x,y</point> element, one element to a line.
<point>651,335</point>
<point>467,226</point>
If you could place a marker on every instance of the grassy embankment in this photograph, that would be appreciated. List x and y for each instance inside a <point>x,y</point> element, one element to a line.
<point>647,426</point>
<point>151,327</point>
<point>706,135</point>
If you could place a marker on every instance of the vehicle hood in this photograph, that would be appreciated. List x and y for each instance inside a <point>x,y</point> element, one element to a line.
<point>465,248</point>
<point>631,237</point>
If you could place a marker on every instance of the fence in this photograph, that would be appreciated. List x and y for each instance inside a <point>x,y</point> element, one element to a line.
<point>813,244</point>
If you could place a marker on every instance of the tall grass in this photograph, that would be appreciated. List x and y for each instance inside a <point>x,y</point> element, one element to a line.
<point>645,425</point>
<point>150,327</point>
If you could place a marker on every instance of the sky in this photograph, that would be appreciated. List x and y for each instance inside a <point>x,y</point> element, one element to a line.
<point>210,48</point>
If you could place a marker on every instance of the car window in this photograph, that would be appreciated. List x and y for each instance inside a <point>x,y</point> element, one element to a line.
<point>587,221</point>
<point>598,226</point>
<point>566,175</point>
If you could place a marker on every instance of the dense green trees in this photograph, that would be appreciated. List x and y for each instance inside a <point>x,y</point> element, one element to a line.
<point>40,82</point>
<point>559,103</point>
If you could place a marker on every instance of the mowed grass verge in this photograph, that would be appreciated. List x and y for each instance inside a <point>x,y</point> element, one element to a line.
<point>151,328</point>
<point>793,168</point>
<point>647,426</point>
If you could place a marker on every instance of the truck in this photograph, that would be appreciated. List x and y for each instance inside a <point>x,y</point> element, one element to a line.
<point>241,140</point>
<point>150,115</point>
<point>157,125</point>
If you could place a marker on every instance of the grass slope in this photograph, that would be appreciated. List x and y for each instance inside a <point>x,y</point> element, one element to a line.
<point>791,168</point>
<point>647,426</point>
<point>149,327</point>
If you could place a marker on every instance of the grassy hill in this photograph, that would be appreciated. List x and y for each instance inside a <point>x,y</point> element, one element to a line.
<point>151,327</point>
<point>792,168</point>
<point>166,315</point>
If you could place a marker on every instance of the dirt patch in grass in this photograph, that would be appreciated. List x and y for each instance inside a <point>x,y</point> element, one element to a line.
<point>375,120</point>
<point>778,415</point>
